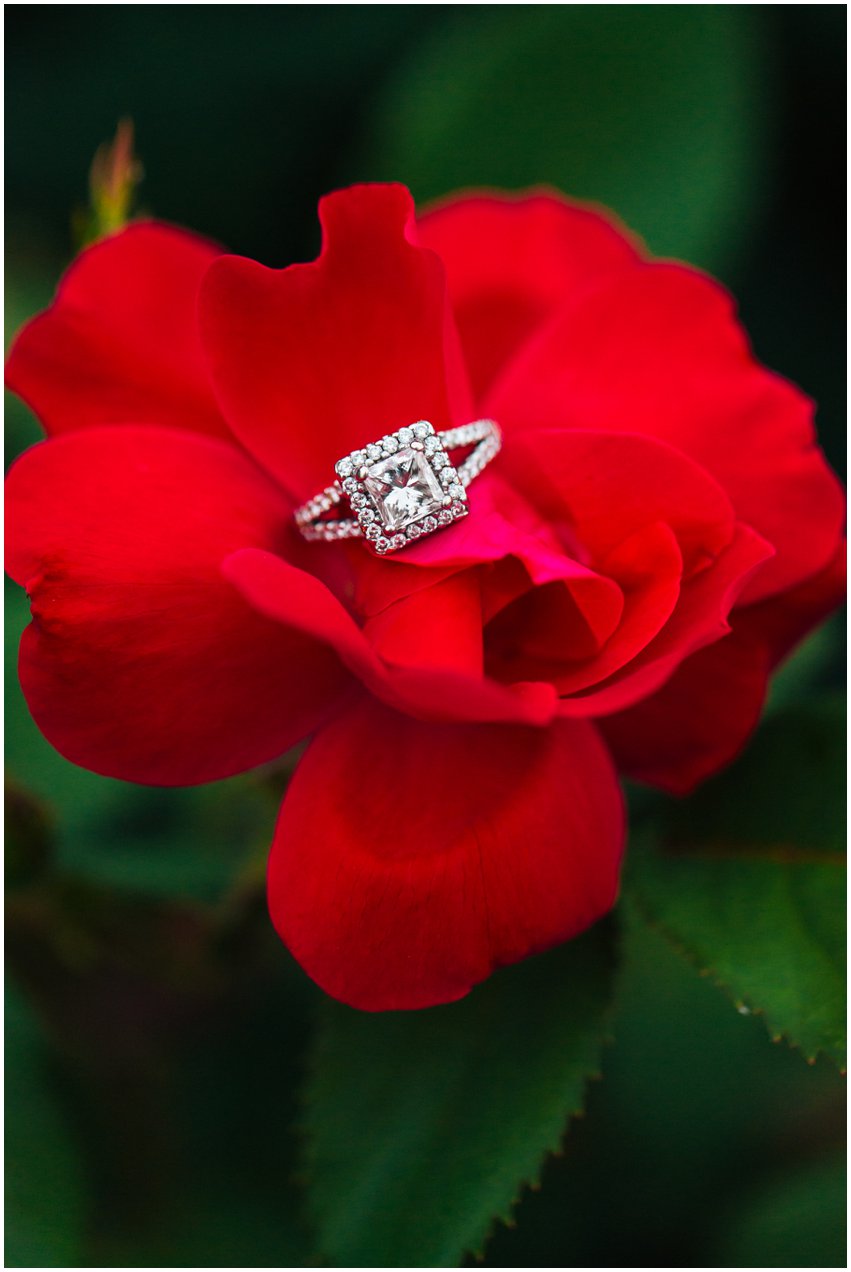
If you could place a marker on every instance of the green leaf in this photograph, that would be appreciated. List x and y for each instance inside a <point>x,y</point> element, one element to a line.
<point>809,668</point>
<point>695,1110</point>
<point>748,879</point>
<point>655,111</point>
<point>44,1193</point>
<point>424,1125</point>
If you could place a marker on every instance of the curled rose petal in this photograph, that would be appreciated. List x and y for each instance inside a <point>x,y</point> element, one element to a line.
<point>783,620</point>
<point>600,488</point>
<point>698,721</point>
<point>503,527</point>
<point>447,851</point>
<point>120,343</point>
<point>657,350</point>
<point>142,662</point>
<point>647,568</point>
<point>702,717</point>
<point>702,616</point>
<point>445,686</point>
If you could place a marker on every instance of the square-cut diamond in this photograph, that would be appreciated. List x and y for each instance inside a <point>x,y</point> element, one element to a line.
<point>405,488</point>
<point>400,488</point>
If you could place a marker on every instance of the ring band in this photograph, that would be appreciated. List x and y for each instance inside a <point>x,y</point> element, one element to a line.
<point>401,488</point>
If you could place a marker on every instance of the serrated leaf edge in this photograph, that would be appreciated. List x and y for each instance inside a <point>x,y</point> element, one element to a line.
<point>507,1218</point>
<point>535,1183</point>
<point>636,902</point>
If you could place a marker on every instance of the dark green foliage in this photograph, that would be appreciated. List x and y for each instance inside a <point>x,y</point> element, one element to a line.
<point>44,1187</point>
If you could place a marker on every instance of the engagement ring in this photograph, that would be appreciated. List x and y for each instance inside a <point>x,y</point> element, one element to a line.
<point>401,488</point>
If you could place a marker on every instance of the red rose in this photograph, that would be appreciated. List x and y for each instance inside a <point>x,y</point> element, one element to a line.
<point>659,530</point>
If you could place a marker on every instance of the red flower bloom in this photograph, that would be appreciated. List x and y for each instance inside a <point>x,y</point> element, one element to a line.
<point>659,530</point>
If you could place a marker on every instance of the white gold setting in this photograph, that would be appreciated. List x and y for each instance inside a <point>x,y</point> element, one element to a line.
<point>400,488</point>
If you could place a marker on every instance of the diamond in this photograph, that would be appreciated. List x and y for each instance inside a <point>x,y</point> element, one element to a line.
<point>404,488</point>
<point>431,445</point>
<point>439,460</point>
<point>345,468</point>
<point>405,436</point>
<point>358,457</point>
<point>444,516</point>
<point>456,491</point>
<point>373,531</point>
<point>421,430</point>
<point>448,476</point>
<point>350,486</point>
<point>373,451</point>
<point>414,531</point>
<point>398,541</point>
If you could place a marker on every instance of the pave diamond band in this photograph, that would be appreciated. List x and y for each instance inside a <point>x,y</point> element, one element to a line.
<point>400,488</point>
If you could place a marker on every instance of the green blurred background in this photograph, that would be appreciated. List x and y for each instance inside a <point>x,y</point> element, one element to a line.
<point>156,1030</point>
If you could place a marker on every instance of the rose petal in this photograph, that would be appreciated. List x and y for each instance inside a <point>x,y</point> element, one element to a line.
<point>647,569</point>
<point>315,360</point>
<point>600,488</point>
<point>120,342</point>
<point>445,685</point>
<point>439,627</point>
<point>142,662</point>
<point>702,717</point>
<point>502,529</point>
<point>698,721</point>
<point>657,350</point>
<point>701,617</point>
<point>782,621</point>
<point>511,262</point>
<point>448,851</point>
